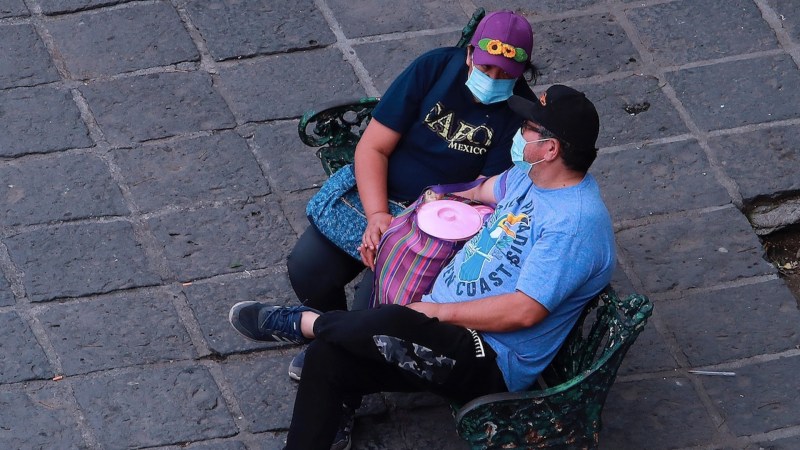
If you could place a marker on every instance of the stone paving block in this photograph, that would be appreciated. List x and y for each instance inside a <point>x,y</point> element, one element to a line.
<point>39,120</point>
<point>241,29</point>
<point>621,283</point>
<point>24,60</point>
<point>85,340</point>
<point>157,106</point>
<point>532,9</point>
<point>686,31</point>
<point>654,414</point>
<point>694,252</point>
<point>224,445</point>
<point>288,85</point>
<point>37,417</point>
<point>294,206</point>
<point>649,353</point>
<point>633,109</point>
<point>80,259</point>
<point>791,443</point>
<point>21,358</point>
<point>657,179</point>
<point>424,428</point>
<point>208,168</point>
<point>738,93</point>
<point>580,47</point>
<point>789,13</point>
<point>232,238</point>
<point>737,330</point>
<point>63,187</point>
<point>291,166</point>
<point>264,391</point>
<point>753,402</point>
<point>386,60</point>
<point>778,156</point>
<point>211,302</point>
<point>153,406</point>
<point>111,41</point>
<point>359,18</point>
<point>13,8</point>
<point>6,295</point>
<point>66,6</point>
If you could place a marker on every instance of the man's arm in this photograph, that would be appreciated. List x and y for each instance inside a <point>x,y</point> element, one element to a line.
<point>499,313</point>
<point>483,192</point>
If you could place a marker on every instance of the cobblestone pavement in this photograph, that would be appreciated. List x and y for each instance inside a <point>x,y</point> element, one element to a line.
<point>152,177</point>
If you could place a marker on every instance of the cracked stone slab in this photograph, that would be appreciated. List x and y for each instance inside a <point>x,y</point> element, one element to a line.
<point>706,91</point>
<point>646,413</point>
<point>156,106</point>
<point>693,252</point>
<point>533,9</point>
<point>581,47</point>
<point>21,357</point>
<point>241,29</point>
<point>154,406</point>
<point>111,41</point>
<point>219,167</point>
<point>687,31</point>
<point>85,342</point>
<point>67,6</point>
<point>386,60</point>
<point>633,109</point>
<point>649,353</point>
<point>211,301</point>
<point>223,445</point>
<point>24,60</point>
<point>657,179</point>
<point>40,120</point>
<point>13,8</point>
<point>76,260</point>
<point>752,402</point>
<point>61,187</point>
<point>728,337</point>
<point>289,84</point>
<point>215,240</point>
<point>778,159</point>
<point>418,428</point>
<point>264,390</point>
<point>290,165</point>
<point>40,418</point>
<point>360,18</point>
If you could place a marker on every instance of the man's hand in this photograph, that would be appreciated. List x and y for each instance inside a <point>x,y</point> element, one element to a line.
<point>427,308</point>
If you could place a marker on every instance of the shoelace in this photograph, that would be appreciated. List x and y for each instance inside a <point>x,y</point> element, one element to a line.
<point>277,320</point>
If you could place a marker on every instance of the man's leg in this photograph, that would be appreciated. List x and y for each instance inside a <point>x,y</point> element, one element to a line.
<point>390,348</point>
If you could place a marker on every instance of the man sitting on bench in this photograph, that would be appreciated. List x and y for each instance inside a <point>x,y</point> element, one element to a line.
<point>497,313</point>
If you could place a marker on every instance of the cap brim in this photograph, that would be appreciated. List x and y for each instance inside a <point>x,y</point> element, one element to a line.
<point>528,109</point>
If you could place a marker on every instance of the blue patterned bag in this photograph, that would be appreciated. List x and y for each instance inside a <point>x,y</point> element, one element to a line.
<point>336,211</point>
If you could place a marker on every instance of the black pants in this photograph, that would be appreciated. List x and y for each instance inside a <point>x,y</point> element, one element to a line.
<point>319,272</point>
<point>387,349</point>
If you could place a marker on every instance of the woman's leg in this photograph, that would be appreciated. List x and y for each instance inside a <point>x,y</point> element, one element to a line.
<point>363,291</point>
<point>319,271</point>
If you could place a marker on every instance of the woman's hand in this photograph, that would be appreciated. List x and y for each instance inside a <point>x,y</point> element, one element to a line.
<point>377,223</point>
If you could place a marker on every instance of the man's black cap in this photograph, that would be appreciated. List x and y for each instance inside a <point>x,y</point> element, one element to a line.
<point>565,112</point>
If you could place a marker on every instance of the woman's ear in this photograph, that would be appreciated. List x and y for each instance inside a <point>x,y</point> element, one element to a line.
<point>469,55</point>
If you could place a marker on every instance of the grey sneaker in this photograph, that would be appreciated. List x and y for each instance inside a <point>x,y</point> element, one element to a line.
<point>296,366</point>
<point>342,440</point>
<point>260,322</point>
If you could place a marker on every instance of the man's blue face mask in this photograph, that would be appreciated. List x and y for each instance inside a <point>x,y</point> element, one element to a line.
<point>488,90</point>
<point>518,144</point>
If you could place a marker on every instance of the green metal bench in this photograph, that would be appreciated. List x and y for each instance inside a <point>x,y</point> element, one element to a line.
<point>567,413</point>
<point>336,128</point>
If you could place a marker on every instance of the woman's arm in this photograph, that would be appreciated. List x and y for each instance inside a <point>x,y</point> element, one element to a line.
<point>372,168</point>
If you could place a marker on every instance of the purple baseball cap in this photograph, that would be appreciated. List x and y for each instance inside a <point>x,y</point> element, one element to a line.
<point>503,39</point>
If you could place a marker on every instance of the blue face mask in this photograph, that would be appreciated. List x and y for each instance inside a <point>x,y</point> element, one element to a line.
<point>518,144</point>
<point>488,90</point>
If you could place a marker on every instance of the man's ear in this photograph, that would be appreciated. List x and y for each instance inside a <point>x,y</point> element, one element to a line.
<point>554,151</point>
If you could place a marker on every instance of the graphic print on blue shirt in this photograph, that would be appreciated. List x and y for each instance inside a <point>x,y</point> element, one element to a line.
<point>500,234</point>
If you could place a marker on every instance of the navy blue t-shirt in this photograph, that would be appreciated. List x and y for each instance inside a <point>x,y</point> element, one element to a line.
<point>447,136</point>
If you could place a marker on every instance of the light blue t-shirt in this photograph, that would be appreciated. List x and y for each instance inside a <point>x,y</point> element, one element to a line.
<point>554,245</point>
